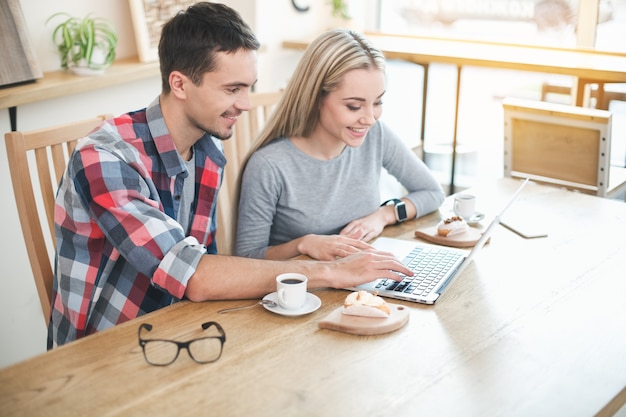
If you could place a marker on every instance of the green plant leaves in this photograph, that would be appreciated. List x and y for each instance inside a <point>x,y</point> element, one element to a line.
<point>340,9</point>
<point>77,40</point>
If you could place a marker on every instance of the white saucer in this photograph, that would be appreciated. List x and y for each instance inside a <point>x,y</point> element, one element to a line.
<point>475,218</point>
<point>311,304</point>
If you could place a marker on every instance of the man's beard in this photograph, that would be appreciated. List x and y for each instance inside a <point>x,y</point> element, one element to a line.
<point>220,137</point>
<point>213,132</point>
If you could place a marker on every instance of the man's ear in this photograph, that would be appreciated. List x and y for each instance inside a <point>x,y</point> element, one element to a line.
<point>178,83</point>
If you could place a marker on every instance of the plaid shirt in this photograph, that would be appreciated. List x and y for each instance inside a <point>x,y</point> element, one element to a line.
<point>120,251</point>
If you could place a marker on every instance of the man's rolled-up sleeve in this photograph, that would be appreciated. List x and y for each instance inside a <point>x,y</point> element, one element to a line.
<point>178,265</point>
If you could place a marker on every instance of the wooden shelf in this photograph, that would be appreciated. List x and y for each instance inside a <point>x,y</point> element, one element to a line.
<point>63,83</point>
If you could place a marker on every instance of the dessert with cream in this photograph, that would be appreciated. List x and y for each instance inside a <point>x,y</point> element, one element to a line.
<point>451,226</point>
<point>365,304</point>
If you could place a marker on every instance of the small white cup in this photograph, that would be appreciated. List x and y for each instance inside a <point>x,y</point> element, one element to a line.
<point>291,290</point>
<point>465,205</point>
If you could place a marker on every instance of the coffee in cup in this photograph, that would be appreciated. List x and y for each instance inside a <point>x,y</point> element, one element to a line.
<point>291,290</point>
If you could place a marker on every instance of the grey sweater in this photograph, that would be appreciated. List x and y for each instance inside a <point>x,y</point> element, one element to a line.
<point>286,194</point>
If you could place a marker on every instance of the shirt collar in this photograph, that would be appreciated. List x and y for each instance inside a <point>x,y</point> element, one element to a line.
<point>164,143</point>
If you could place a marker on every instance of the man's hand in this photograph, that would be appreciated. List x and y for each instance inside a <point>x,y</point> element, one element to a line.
<point>366,266</point>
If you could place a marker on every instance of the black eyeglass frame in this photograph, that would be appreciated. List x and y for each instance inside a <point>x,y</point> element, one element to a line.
<point>182,345</point>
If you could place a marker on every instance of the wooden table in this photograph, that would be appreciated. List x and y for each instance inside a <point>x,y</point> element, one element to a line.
<point>533,328</point>
<point>588,66</point>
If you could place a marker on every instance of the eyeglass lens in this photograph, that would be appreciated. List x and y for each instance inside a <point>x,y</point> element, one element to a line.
<point>164,352</point>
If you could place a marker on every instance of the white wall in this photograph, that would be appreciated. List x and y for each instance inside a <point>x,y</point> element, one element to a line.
<point>22,328</point>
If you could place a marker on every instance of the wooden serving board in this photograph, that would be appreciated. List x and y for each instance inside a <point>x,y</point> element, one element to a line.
<point>366,326</point>
<point>464,240</point>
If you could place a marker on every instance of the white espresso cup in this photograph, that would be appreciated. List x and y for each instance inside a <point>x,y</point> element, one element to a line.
<point>465,205</point>
<point>291,290</point>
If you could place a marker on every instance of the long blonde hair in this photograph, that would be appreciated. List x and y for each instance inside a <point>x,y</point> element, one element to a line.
<point>322,67</point>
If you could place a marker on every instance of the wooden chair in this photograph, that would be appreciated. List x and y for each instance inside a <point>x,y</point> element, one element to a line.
<point>237,150</point>
<point>42,152</point>
<point>599,92</point>
<point>562,145</point>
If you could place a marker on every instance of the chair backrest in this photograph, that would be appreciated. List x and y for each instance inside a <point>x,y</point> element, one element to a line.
<point>44,153</point>
<point>560,144</point>
<point>237,150</point>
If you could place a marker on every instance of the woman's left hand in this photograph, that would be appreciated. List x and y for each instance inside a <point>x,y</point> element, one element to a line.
<point>366,228</point>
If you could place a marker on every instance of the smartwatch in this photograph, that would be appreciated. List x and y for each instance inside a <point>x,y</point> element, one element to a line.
<point>400,208</point>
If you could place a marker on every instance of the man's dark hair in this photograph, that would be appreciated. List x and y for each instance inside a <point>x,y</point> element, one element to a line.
<point>190,40</point>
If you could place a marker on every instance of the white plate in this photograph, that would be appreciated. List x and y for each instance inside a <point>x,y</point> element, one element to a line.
<point>311,304</point>
<point>475,219</point>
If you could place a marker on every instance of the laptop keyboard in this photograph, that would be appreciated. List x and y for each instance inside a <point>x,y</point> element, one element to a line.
<point>430,265</point>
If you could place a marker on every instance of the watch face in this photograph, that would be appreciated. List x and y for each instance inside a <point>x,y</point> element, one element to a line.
<point>401,212</point>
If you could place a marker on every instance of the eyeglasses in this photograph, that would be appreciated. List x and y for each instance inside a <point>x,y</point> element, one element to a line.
<point>162,352</point>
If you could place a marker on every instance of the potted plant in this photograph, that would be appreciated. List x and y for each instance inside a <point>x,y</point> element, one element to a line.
<point>340,9</point>
<point>87,45</point>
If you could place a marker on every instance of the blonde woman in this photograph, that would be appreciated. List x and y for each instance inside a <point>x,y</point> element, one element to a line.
<point>312,186</point>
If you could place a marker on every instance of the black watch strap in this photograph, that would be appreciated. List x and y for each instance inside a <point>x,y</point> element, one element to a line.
<point>400,208</point>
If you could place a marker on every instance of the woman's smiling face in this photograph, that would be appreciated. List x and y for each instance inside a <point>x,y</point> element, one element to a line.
<point>347,113</point>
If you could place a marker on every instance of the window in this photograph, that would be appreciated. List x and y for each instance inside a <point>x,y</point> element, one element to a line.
<point>539,22</point>
<point>557,23</point>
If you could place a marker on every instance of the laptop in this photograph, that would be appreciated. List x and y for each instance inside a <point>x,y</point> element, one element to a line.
<point>435,267</point>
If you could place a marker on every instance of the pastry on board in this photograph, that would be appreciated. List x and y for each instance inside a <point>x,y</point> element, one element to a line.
<point>365,304</point>
<point>451,226</point>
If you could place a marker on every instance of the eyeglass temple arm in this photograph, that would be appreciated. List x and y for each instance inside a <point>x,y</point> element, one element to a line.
<point>218,326</point>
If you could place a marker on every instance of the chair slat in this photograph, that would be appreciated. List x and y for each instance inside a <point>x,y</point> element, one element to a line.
<point>59,162</point>
<point>45,186</point>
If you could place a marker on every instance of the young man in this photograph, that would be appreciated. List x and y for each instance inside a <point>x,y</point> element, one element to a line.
<point>135,211</point>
